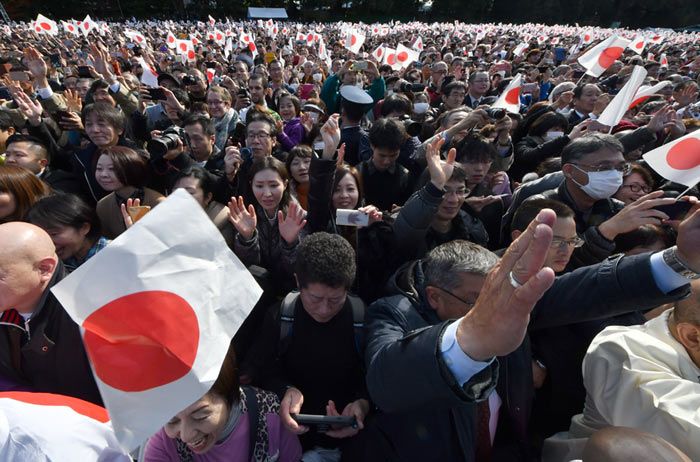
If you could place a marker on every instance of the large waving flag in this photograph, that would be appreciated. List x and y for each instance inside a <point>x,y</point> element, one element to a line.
<point>645,92</point>
<point>616,109</point>
<point>158,308</point>
<point>603,55</point>
<point>679,160</point>
<point>510,98</point>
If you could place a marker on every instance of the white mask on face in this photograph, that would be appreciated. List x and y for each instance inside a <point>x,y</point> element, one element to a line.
<point>317,77</point>
<point>601,185</point>
<point>420,108</point>
<point>553,135</point>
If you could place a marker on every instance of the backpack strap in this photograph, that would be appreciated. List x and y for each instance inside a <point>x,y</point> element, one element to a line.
<point>358,321</point>
<point>287,318</point>
<point>251,402</point>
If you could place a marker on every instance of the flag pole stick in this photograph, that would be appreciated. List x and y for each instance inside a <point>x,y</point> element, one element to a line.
<point>685,192</point>
<point>579,80</point>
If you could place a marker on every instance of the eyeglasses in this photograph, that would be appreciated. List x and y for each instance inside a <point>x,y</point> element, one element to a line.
<point>459,192</point>
<point>480,81</point>
<point>559,242</point>
<point>259,136</point>
<point>634,187</point>
<point>469,304</point>
<point>623,168</point>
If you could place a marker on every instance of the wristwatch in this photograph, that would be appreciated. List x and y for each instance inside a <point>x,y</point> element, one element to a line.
<point>671,259</point>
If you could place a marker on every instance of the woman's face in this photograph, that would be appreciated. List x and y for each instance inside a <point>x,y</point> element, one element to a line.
<point>299,169</point>
<point>105,174</point>
<point>8,205</point>
<point>200,424</point>
<point>68,240</point>
<point>346,195</point>
<point>100,131</point>
<point>268,188</point>
<point>287,110</point>
<point>193,186</point>
<point>632,188</point>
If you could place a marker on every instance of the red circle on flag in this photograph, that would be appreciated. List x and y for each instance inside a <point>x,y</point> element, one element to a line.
<point>609,55</point>
<point>86,25</point>
<point>190,55</point>
<point>586,37</point>
<point>252,47</point>
<point>513,96</point>
<point>37,28</point>
<point>219,36</point>
<point>403,56</point>
<point>171,39</point>
<point>391,59</point>
<point>246,38</point>
<point>142,340</point>
<point>310,38</point>
<point>353,40</point>
<point>71,28</point>
<point>639,45</point>
<point>684,155</point>
<point>139,39</point>
<point>45,25</point>
<point>183,46</point>
<point>85,408</point>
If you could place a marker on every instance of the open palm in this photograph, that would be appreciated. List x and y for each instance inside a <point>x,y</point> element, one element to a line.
<point>244,220</point>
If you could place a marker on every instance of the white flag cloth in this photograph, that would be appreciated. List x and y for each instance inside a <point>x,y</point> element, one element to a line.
<point>638,43</point>
<point>135,37</point>
<point>603,55</point>
<point>405,56</point>
<point>378,53</point>
<point>390,58</point>
<point>44,426</point>
<point>616,109</point>
<point>520,49</point>
<point>149,76</point>
<point>157,309</point>
<point>70,27</point>
<point>354,41</point>
<point>678,160</point>
<point>644,92</point>
<point>87,25</point>
<point>171,40</point>
<point>44,25</point>
<point>228,49</point>
<point>510,98</point>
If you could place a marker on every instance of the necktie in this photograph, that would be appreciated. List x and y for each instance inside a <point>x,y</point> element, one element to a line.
<point>483,432</point>
<point>13,319</point>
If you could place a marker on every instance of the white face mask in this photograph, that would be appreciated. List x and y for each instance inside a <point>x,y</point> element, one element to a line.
<point>420,108</point>
<point>601,185</point>
<point>553,135</point>
<point>313,116</point>
<point>317,77</point>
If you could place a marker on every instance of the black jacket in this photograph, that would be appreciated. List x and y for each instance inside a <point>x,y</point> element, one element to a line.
<point>53,358</point>
<point>408,380</point>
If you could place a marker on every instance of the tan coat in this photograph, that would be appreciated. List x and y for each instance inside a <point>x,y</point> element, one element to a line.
<point>110,214</point>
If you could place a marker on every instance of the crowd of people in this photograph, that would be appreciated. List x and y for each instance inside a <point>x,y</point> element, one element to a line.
<point>467,283</point>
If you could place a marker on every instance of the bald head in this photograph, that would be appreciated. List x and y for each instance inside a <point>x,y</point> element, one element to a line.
<point>688,309</point>
<point>621,444</point>
<point>27,263</point>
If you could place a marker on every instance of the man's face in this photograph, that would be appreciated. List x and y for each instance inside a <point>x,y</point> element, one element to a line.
<point>217,105</point>
<point>476,171</point>
<point>455,303</point>
<point>70,83</point>
<point>455,193</point>
<point>101,95</point>
<point>257,91</point>
<point>276,74</point>
<point>241,73</point>
<point>454,99</point>
<point>480,84</point>
<point>83,86</point>
<point>601,160</point>
<point>24,154</point>
<point>586,102</point>
<point>258,138</point>
<point>20,282</point>
<point>564,236</point>
<point>4,135</point>
<point>383,158</point>
<point>201,144</point>
<point>322,302</point>
<point>438,72</point>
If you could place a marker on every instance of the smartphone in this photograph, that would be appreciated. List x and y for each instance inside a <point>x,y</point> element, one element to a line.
<point>5,94</point>
<point>61,114</point>
<point>676,211</point>
<point>359,66</point>
<point>246,154</point>
<point>84,72</point>
<point>20,76</point>
<point>138,212</point>
<point>323,423</point>
<point>156,94</point>
<point>347,217</point>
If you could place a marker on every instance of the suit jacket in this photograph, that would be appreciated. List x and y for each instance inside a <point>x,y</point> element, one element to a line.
<point>53,358</point>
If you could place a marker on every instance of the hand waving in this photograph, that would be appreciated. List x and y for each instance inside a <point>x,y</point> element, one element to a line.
<point>244,220</point>
<point>291,225</point>
<point>440,172</point>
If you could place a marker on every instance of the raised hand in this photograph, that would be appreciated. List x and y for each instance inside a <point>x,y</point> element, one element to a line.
<point>73,101</point>
<point>638,213</point>
<point>291,225</point>
<point>330,132</point>
<point>375,215</point>
<point>440,172</point>
<point>30,109</point>
<point>128,221</point>
<point>36,65</point>
<point>341,156</point>
<point>244,220</point>
<point>232,161</point>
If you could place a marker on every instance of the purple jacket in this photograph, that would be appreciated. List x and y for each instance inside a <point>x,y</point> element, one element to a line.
<point>292,134</point>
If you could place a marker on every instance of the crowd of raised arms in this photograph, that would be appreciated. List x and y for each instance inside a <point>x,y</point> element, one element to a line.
<point>473,243</point>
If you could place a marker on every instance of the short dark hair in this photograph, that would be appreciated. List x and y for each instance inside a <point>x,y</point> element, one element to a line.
<point>6,121</point>
<point>475,148</point>
<point>203,121</point>
<point>207,181</point>
<point>39,147</point>
<point>529,209</point>
<point>63,209</point>
<point>302,151</point>
<point>396,103</point>
<point>352,111</point>
<point>130,167</point>
<point>110,114</point>
<point>255,115</point>
<point>588,144</point>
<point>262,78</point>
<point>444,265</point>
<point>645,235</point>
<point>454,85</point>
<point>387,134</point>
<point>295,101</point>
<point>578,91</point>
<point>546,122</point>
<point>327,259</point>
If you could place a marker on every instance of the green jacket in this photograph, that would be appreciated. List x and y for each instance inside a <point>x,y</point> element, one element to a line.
<point>330,93</point>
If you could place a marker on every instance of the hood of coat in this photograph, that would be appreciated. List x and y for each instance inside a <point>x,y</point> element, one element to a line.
<point>409,281</point>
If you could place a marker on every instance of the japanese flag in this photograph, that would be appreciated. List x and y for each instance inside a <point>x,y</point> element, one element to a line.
<point>586,38</point>
<point>44,25</point>
<point>309,39</point>
<point>158,308</point>
<point>211,73</point>
<point>603,55</point>
<point>663,60</point>
<point>219,37</point>
<point>510,98</point>
<point>645,92</point>
<point>616,109</point>
<point>656,39</point>
<point>638,43</point>
<point>194,39</point>
<point>184,46</point>
<point>245,39</point>
<point>135,36</point>
<point>171,40</point>
<point>253,48</point>
<point>378,53</point>
<point>70,27</point>
<point>149,76</point>
<point>390,58</point>
<point>228,49</point>
<point>44,426</point>
<point>354,41</point>
<point>405,56</point>
<point>87,25</point>
<point>679,160</point>
<point>518,51</point>
<point>300,37</point>
<point>541,39</point>
<point>417,43</point>
<point>212,21</point>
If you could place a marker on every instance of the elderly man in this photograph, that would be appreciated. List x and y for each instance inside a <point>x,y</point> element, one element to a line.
<point>41,345</point>
<point>647,376</point>
<point>428,374</point>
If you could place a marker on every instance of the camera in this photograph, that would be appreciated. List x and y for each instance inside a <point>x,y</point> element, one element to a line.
<point>407,87</point>
<point>189,80</point>
<point>243,92</point>
<point>412,127</point>
<point>496,113</point>
<point>167,140</point>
